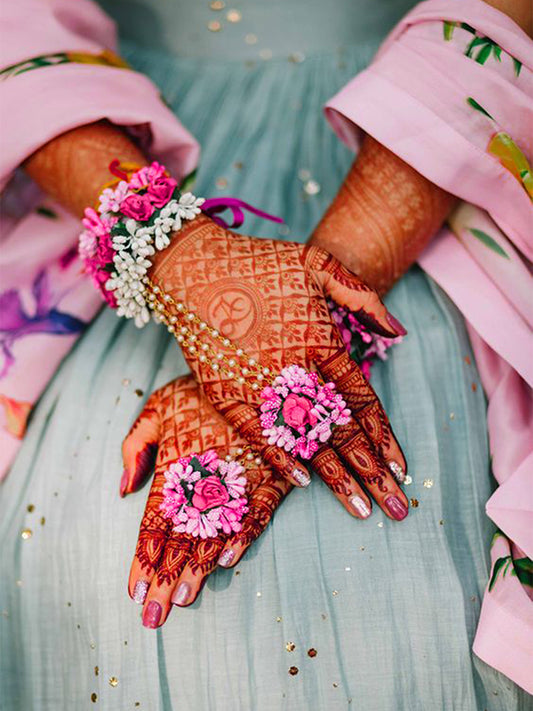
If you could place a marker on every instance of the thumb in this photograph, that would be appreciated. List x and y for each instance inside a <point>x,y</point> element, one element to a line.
<point>139,449</point>
<point>348,290</point>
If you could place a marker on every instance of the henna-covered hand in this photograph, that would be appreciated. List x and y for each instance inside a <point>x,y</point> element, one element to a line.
<point>171,567</point>
<point>270,298</point>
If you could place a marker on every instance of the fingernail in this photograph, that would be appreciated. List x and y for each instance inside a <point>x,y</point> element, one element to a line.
<point>301,477</point>
<point>124,482</point>
<point>398,472</point>
<point>139,591</point>
<point>396,325</point>
<point>397,508</point>
<point>152,614</point>
<point>360,506</point>
<point>226,558</point>
<point>181,594</point>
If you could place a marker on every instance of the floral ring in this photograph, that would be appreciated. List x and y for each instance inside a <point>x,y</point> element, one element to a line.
<point>204,495</point>
<point>299,413</point>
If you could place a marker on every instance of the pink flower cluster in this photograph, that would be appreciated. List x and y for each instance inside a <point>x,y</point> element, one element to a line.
<point>204,501</point>
<point>360,343</point>
<point>147,190</point>
<point>299,413</point>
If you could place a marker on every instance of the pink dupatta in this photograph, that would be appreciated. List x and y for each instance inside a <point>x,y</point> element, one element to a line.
<point>451,93</point>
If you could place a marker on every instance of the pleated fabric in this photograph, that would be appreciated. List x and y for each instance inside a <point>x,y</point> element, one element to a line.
<point>390,608</point>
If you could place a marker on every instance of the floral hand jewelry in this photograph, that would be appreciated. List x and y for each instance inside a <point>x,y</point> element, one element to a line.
<point>135,217</point>
<point>204,494</point>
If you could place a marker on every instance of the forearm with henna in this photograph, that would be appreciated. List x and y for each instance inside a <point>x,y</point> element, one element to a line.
<point>73,167</point>
<point>382,217</point>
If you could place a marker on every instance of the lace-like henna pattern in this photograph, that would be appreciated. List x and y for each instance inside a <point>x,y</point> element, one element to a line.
<point>262,506</point>
<point>353,446</point>
<point>206,555</point>
<point>331,470</point>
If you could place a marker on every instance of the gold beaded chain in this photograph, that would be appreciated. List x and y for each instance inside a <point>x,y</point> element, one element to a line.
<point>179,324</point>
<point>179,321</point>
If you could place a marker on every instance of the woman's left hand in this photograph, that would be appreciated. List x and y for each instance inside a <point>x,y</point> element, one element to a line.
<point>169,567</point>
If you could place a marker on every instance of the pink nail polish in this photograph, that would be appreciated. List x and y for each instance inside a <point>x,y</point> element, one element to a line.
<point>226,558</point>
<point>397,471</point>
<point>181,595</point>
<point>396,325</point>
<point>360,506</point>
<point>301,477</point>
<point>139,591</point>
<point>124,482</point>
<point>396,507</point>
<point>152,614</point>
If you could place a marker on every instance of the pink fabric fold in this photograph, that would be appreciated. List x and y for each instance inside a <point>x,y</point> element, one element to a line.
<point>45,301</point>
<point>463,120</point>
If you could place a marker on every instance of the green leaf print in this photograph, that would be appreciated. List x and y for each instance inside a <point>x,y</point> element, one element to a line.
<point>488,241</point>
<point>498,566</point>
<point>474,104</point>
<point>523,569</point>
<point>483,54</point>
<point>447,29</point>
<point>46,212</point>
<point>517,66</point>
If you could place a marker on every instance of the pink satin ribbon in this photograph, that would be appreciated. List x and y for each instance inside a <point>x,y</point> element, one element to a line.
<point>214,206</point>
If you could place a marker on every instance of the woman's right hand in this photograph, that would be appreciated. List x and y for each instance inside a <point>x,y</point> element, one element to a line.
<point>170,567</point>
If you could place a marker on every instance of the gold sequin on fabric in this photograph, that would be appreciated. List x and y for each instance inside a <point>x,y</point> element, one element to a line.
<point>380,524</point>
<point>217,5</point>
<point>293,671</point>
<point>96,671</point>
<point>414,503</point>
<point>290,646</point>
<point>234,16</point>
<point>408,480</point>
<point>334,592</point>
<point>250,38</point>
<point>26,534</point>
<point>113,681</point>
<point>428,483</point>
<point>43,520</point>
<point>30,508</point>
<point>214,26</point>
<point>312,652</point>
<point>94,697</point>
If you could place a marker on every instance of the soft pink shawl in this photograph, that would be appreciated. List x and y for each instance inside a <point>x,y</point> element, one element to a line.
<point>427,101</point>
<point>39,283</point>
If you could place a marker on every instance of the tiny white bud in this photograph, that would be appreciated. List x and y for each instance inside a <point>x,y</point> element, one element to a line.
<point>239,351</point>
<point>251,361</point>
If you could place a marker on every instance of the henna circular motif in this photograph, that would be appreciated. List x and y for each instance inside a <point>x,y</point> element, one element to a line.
<point>238,310</point>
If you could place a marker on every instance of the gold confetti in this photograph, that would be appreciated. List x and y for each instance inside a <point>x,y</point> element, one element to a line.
<point>362,548</point>
<point>113,681</point>
<point>238,165</point>
<point>414,503</point>
<point>324,616</point>
<point>217,5</point>
<point>139,392</point>
<point>234,16</point>
<point>311,187</point>
<point>214,26</point>
<point>290,646</point>
<point>237,572</point>
<point>452,415</point>
<point>94,697</point>
<point>96,671</point>
<point>380,524</point>
<point>408,480</point>
<point>250,38</point>
<point>30,508</point>
<point>347,569</point>
<point>293,671</point>
<point>278,619</point>
<point>335,685</point>
<point>92,645</point>
<point>296,57</point>
<point>258,594</point>
<point>43,520</point>
<point>428,483</point>
<point>69,604</point>
<point>312,652</point>
<point>26,533</point>
<point>441,522</point>
<point>334,592</point>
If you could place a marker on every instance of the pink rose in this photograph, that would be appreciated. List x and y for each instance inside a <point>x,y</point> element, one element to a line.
<point>208,493</point>
<point>145,175</point>
<point>138,207</point>
<point>94,223</point>
<point>160,190</point>
<point>296,411</point>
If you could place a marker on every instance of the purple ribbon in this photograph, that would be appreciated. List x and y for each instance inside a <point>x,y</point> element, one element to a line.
<point>214,206</point>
